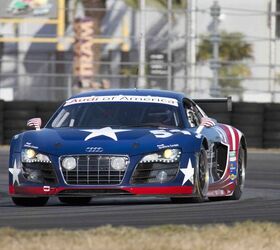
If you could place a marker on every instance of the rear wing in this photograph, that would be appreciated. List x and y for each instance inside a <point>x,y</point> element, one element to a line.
<point>225,102</point>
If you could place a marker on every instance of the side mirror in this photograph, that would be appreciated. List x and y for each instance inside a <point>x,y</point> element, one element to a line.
<point>208,122</point>
<point>34,123</point>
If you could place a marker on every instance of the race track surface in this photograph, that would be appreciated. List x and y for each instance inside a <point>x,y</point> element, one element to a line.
<point>260,202</point>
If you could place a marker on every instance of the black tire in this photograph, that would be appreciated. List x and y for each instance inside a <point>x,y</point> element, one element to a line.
<point>271,126</point>
<point>76,201</point>
<point>271,135</point>
<point>254,142</point>
<point>272,107</point>
<point>247,119</point>
<point>247,108</point>
<point>19,114</point>
<point>201,179</point>
<point>19,105</point>
<point>271,144</point>
<point>272,116</point>
<point>30,202</point>
<point>221,117</point>
<point>15,124</point>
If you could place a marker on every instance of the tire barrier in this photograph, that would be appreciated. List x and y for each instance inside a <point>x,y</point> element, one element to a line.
<point>249,118</point>
<point>16,115</point>
<point>259,122</point>
<point>271,136</point>
<point>1,122</point>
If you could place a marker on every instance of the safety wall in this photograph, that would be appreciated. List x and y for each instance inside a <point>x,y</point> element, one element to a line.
<point>259,122</point>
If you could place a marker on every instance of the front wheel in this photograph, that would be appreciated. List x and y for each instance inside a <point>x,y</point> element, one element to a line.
<point>30,202</point>
<point>76,201</point>
<point>201,178</point>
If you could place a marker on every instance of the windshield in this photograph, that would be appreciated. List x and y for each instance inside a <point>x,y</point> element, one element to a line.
<point>118,115</point>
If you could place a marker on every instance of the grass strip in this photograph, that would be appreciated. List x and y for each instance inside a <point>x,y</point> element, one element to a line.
<point>247,235</point>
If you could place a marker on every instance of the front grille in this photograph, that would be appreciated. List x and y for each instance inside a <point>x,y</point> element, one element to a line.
<point>146,173</point>
<point>93,170</point>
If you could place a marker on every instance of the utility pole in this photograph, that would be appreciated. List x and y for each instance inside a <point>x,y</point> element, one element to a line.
<point>169,49</point>
<point>215,39</point>
<point>190,46</point>
<point>142,47</point>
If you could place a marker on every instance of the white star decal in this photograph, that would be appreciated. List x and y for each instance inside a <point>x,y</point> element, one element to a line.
<point>15,172</point>
<point>108,132</point>
<point>188,172</point>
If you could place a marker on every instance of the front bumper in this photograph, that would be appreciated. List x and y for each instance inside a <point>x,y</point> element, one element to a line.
<point>176,187</point>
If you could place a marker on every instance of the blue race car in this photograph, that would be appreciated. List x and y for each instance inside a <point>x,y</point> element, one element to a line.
<point>127,142</point>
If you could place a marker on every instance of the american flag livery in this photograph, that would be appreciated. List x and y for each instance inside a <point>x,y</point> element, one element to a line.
<point>35,122</point>
<point>207,122</point>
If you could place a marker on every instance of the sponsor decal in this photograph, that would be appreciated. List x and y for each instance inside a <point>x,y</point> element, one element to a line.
<point>122,98</point>
<point>160,133</point>
<point>94,150</point>
<point>188,173</point>
<point>232,156</point>
<point>46,188</point>
<point>233,171</point>
<point>162,146</point>
<point>29,145</point>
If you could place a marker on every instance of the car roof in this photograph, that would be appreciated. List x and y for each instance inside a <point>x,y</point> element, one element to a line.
<point>137,92</point>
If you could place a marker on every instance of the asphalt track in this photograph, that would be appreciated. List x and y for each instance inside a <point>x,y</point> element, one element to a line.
<point>260,202</point>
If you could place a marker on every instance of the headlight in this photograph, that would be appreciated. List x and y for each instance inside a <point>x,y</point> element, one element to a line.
<point>69,163</point>
<point>119,163</point>
<point>166,156</point>
<point>29,155</point>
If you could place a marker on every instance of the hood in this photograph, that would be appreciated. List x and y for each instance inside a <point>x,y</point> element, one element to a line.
<point>64,141</point>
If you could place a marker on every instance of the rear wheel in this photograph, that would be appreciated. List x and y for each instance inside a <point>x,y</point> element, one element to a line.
<point>30,202</point>
<point>75,200</point>
<point>201,180</point>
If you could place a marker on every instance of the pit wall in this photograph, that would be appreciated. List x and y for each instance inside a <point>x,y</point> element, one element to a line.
<point>259,122</point>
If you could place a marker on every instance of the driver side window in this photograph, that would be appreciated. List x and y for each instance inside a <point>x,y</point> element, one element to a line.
<point>192,113</point>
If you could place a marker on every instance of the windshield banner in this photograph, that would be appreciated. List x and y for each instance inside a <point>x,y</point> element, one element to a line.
<point>122,98</point>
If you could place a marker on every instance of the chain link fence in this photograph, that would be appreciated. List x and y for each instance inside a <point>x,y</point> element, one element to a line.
<point>169,39</point>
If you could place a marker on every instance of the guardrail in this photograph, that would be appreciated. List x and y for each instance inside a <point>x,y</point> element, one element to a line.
<point>258,121</point>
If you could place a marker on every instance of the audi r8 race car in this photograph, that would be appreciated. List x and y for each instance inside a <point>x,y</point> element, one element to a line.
<point>127,142</point>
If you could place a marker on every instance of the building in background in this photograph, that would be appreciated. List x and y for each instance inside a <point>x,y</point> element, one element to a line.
<point>39,71</point>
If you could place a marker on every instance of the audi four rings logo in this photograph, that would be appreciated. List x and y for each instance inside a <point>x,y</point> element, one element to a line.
<point>94,150</point>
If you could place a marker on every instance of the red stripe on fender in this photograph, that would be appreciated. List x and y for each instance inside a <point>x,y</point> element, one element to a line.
<point>160,190</point>
<point>11,189</point>
<point>236,139</point>
<point>225,128</point>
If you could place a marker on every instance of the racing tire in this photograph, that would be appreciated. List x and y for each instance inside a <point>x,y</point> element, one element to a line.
<point>76,201</point>
<point>201,181</point>
<point>30,202</point>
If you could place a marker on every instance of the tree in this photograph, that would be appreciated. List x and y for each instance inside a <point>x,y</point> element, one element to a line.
<point>233,50</point>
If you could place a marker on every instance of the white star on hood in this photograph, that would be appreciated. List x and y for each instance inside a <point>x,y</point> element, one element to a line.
<point>108,132</point>
<point>15,172</point>
<point>188,172</point>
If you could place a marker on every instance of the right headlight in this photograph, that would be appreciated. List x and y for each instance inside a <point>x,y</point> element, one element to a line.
<point>166,156</point>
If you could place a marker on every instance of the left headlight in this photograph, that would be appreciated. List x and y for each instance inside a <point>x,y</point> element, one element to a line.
<point>165,156</point>
<point>29,155</point>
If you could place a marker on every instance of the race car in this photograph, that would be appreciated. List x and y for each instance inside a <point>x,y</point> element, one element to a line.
<point>127,142</point>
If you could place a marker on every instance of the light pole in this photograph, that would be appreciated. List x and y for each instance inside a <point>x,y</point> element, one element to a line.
<point>215,39</point>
